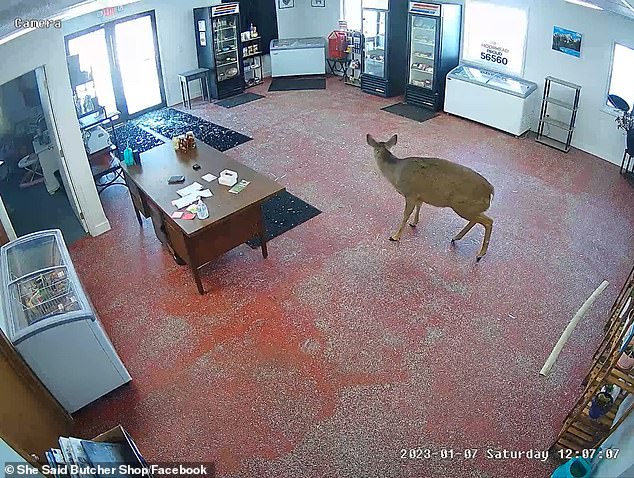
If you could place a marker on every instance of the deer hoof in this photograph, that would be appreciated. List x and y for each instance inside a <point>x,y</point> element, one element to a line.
<point>412,225</point>
<point>478,258</point>
<point>394,239</point>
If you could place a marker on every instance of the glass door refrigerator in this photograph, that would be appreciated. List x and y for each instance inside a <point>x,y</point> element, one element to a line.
<point>384,34</point>
<point>219,48</point>
<point>434,50</point>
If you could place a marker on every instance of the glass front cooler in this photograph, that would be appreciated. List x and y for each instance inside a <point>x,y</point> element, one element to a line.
<point>374,22</point>
<point>226,47</point>
<point>422,48</point>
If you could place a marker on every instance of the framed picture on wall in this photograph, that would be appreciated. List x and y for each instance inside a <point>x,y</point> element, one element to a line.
<point>567,41</point>
<point>286,3</point>
<point>317,3</point>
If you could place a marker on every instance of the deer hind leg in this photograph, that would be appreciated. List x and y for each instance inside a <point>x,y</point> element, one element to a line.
<point>409,207</point>
<point>416,214</point>
<point>487,222</point>
<point>462,233</point>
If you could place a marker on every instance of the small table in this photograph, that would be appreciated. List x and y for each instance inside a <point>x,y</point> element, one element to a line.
<point>201,74</point>
<point>105,167</point>
<point>233,218</point>
<point>337,65</point>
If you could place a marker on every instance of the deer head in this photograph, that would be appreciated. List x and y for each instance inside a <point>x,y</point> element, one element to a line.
<point>382,149</point>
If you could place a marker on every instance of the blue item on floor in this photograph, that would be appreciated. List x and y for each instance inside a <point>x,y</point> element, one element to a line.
<point>573,468</point>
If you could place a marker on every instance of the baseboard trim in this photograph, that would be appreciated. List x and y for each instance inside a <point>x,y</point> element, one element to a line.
<point>99,229</point>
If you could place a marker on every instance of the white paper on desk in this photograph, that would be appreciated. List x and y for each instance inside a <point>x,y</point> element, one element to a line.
<point>192,188</point>
<point>209,177</point>
<point>206,193</point>
<point>186,201</point>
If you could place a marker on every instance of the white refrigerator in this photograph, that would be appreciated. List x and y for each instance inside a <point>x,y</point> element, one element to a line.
<point>52,324</point>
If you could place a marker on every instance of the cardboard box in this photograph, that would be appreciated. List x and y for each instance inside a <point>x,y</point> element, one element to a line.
<point>119,435</point>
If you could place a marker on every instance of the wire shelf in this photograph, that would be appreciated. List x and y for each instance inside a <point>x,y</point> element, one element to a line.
<point>46,294</point>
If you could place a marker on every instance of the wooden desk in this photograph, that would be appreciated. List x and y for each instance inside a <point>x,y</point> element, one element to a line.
<point>233,218</point>
<point>201,74</point>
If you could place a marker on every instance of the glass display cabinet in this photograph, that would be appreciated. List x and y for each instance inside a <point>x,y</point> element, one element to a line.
<point>434,49</point>
<point>385,47</point>
<point>219,48</point>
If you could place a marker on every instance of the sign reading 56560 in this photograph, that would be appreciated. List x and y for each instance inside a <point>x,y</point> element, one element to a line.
<point>494,58</point>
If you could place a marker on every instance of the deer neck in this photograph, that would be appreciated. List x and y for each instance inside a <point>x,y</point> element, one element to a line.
<point>386,162</point>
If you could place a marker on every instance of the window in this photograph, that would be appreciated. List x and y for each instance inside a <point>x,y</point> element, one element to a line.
<point>495,35</point>
<point>621,83</point>
<point>351,13</point>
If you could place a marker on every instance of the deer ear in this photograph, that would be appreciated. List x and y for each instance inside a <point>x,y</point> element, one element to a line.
<point>371,141</point>
<point>391,142</point>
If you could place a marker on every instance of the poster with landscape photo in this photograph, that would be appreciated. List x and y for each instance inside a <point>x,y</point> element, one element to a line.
<point>567,41</point>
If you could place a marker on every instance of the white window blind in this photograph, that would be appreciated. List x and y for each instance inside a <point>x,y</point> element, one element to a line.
<point>621,78</point>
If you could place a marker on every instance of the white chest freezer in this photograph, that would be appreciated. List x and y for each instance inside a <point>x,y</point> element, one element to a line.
<point>491,98</point>
<point>298,56</point>
<point>52,324</point>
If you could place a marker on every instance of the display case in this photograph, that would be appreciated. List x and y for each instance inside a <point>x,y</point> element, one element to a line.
<point>384,47</point>
<point>219,48</point>
<point>50,321</point>
<point>491,98</point>
<point>298,56</point>
<point>434,48</point>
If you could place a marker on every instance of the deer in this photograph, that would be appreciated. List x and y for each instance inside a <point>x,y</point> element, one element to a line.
<point>437,182</point>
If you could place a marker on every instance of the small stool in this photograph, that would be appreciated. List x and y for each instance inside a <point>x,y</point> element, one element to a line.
<point>626,167</point>
<point>201,74</point>
<point>33,175</point>
<point>337,65</point>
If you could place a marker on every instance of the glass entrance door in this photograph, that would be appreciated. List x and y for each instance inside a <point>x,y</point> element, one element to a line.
<point>422,51</point>
<point>137,59</point>
<point>374,22</point>
<point>123,60</point>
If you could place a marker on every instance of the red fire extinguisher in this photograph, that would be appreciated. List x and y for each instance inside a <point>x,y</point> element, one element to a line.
<point>337,45</point>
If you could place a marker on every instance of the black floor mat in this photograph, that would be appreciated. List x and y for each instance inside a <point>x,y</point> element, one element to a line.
<point>239,100</point>
<point>170,122</point>
<point>282,213</point>
<point>129,134</point>
<point>293,84</point>
<point>412,112</point>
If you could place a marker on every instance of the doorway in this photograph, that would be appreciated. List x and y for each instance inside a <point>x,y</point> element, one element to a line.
<point>35,189</point>
<point>124,60</point>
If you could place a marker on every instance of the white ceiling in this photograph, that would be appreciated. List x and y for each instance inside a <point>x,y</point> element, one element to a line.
<point>46,9</point>
<point>621,7</point>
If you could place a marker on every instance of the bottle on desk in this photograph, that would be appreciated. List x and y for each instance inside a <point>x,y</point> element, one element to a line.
<point>202,212</point>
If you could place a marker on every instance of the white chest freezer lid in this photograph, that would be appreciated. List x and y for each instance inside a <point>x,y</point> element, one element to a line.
<point>39,283</point>
<point>297,43</point>
<point>493,79</point>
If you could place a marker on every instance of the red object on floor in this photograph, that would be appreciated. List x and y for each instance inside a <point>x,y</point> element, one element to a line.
<point>337,44</point>
<point>342,348</point>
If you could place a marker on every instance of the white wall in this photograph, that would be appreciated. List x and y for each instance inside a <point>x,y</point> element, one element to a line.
<point>46,48</point>
<point>623,440</point>
<point>595,131</point>
<point>303,21</point>
<point>176,38</point>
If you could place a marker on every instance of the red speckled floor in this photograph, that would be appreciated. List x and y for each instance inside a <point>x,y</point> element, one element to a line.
<point>342,349</point>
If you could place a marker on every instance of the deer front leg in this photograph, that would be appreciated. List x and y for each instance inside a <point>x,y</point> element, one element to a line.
<point>409,207</point>
<point>416,214</point>
<point>462,233</point>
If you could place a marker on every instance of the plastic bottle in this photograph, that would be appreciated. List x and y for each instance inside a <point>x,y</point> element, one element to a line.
<point>128,159</point>
<point>202,212</point>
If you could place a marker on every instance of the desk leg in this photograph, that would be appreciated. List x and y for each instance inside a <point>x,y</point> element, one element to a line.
<point>189,98</point>
<point>199,284</point>
<point>265,252</point>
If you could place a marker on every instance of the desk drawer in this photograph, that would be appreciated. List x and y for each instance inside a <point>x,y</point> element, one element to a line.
<point>138,198</point>
<point>224,236</point>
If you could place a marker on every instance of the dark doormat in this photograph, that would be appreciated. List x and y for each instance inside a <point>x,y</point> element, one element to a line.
<point>293,84</point>
<point>129,134</point>
<point>282,213</point>
<point>412,112</point>
<point>170,122</point>
<point>239,100</point>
